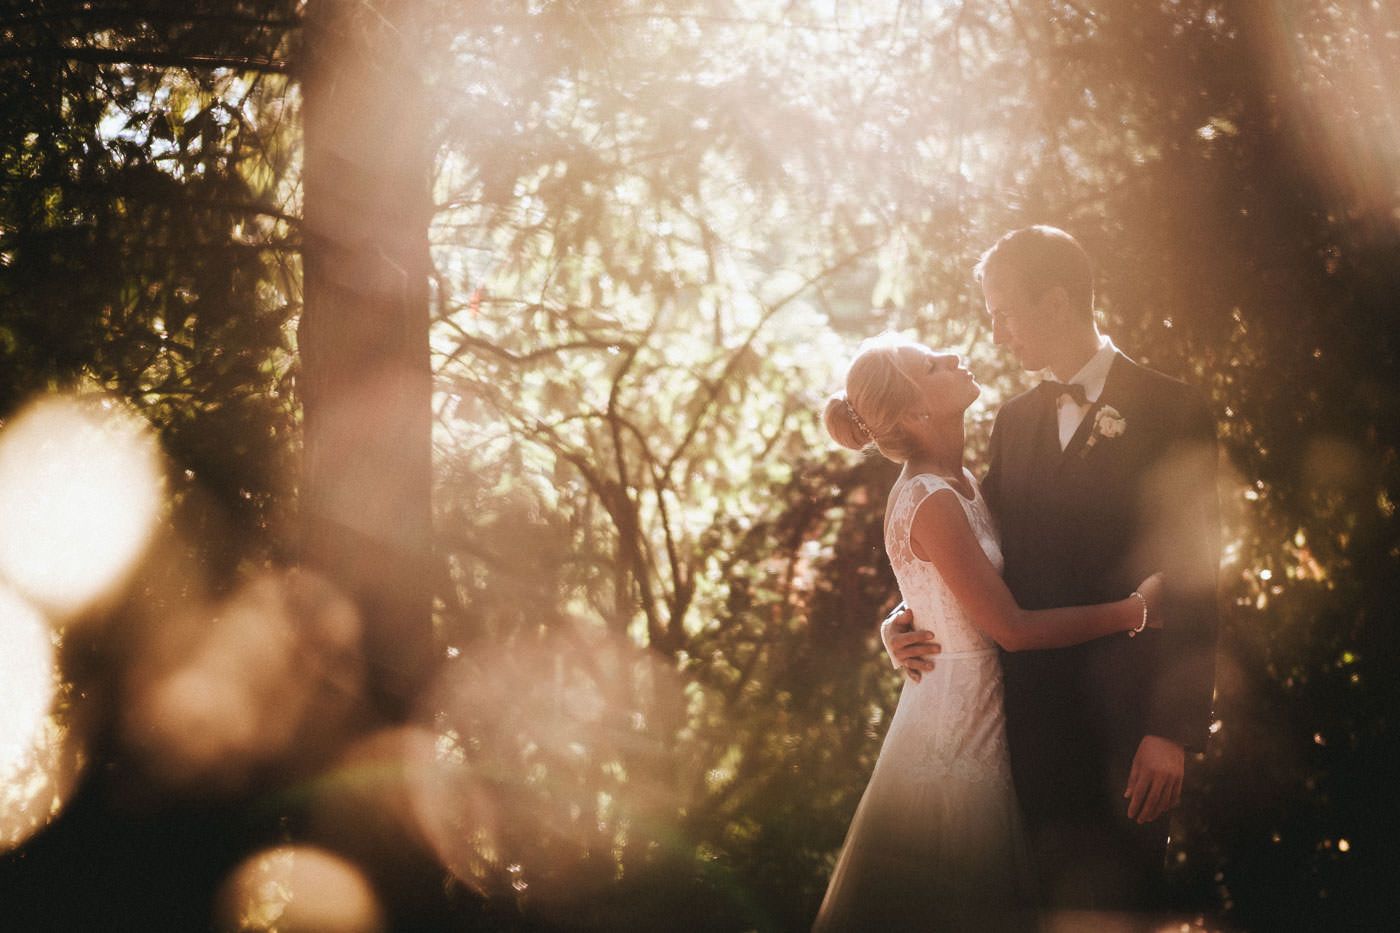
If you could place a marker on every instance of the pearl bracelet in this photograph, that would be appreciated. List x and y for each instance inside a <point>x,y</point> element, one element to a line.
<point>1132,633</point>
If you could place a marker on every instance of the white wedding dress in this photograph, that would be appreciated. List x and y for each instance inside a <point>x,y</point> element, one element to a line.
<point>936,841</point>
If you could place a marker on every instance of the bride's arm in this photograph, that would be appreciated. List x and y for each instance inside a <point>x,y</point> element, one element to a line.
<point>941,535</point>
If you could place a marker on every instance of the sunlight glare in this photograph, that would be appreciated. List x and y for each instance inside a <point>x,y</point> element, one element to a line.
<point>79,494</point>
<point>26,679</point>
<point>1333,67</point>
<point>41,753</point>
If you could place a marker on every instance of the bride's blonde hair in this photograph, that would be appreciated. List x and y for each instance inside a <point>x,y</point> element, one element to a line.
<point>880,390</point>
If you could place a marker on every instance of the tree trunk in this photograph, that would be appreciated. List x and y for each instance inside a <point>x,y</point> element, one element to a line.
<point>365,379</point>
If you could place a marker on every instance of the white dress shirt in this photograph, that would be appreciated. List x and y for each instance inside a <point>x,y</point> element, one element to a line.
<point>1092,377</point>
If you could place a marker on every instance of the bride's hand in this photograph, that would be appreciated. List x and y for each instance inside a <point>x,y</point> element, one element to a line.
<point>1151,590</point>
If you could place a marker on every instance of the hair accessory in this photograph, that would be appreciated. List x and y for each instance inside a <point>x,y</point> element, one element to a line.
<point>860,422</point>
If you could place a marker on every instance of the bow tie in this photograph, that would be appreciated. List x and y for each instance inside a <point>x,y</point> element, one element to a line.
<point>1073,389</point>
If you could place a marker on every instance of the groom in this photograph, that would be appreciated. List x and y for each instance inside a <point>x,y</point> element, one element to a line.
<point>1099,476</point>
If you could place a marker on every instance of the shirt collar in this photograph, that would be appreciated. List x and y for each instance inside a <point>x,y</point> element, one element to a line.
<point>1094,373</point>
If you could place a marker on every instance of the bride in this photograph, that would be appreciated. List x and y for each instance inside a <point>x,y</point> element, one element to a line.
<point>936,841</point>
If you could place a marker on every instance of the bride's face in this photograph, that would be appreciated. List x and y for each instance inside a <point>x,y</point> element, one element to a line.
<point>946,385</point>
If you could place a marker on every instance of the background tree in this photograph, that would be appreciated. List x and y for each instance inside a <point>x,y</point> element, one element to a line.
<point>365,383</point>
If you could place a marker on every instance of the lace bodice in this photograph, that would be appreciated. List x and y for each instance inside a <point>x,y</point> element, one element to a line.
<point>927,595</point>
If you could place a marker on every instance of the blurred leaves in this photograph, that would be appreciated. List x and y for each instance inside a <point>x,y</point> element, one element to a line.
<point>147,239</point>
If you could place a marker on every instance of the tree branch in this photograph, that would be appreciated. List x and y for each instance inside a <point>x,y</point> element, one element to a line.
<point>101,15</point>
<point>101,56</point>
<point>466,340</point>
<point>713,389</point>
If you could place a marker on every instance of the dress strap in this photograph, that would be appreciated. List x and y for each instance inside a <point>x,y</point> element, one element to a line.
<point>932,482</point>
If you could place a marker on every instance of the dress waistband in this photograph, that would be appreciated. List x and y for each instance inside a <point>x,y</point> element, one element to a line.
<point>971,653</point>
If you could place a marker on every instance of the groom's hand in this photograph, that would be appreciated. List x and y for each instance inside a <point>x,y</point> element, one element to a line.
<point>1154,784</point>
<point>909,650</point>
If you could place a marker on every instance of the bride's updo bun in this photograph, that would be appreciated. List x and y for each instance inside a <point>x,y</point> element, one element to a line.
<point>841,424</point>
<point>879,392</point>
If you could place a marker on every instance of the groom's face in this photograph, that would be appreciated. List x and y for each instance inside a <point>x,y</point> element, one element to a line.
<point>1028,329</point>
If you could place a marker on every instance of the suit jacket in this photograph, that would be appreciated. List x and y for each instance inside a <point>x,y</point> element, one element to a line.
<point>1087,525</point>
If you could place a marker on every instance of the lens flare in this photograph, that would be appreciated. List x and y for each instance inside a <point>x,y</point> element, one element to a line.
<point>79,494</point>
<point>40,755</point>
<point>550,767</point>
<point>298,888</point>
<point>1188,530</point>
<point>359,806</point>
<point>266,679</point>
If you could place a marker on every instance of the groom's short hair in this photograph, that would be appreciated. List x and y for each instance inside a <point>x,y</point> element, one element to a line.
<point>1044,257</point>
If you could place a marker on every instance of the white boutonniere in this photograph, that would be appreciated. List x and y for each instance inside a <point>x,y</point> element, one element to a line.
<point>1108,424</point>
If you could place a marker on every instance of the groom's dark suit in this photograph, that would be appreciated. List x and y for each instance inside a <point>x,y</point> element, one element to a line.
<point>1086,525</point>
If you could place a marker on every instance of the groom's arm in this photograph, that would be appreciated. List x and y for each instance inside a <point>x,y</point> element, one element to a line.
<point>909,649</point>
